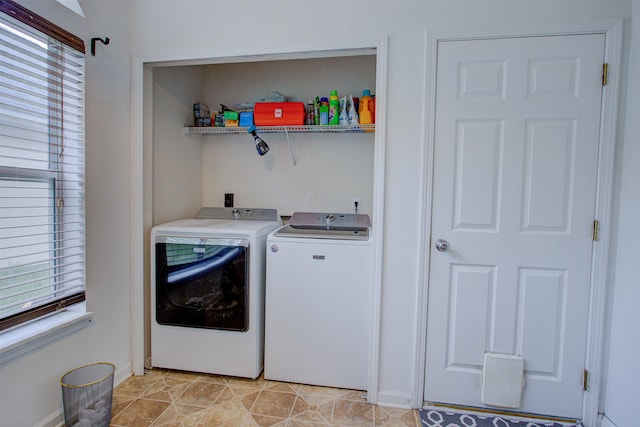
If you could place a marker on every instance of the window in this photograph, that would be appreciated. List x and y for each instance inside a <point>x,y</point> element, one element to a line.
<point>42,221</point>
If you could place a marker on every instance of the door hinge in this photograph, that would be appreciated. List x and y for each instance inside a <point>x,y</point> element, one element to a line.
<point>605,73</point>
<point>596,230</point>
<point>585,380</point>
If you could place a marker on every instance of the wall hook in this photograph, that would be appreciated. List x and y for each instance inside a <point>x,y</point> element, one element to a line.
<point>104,41</point>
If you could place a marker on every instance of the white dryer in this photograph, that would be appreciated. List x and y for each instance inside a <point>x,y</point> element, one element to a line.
<point>318,299</point>
<point>207,299</point>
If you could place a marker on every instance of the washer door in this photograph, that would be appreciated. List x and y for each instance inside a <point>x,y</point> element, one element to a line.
<point>202,283</point>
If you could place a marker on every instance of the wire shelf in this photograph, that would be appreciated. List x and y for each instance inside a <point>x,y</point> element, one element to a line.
<point>205,130</point>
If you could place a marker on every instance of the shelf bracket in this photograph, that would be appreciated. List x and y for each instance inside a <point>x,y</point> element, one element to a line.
<point>291,150</point>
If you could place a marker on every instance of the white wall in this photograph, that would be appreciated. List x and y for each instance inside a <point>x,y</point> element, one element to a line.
<point>622,394</point>
<point>329,168</point>
<point>177,158</point>
<point>325,172</point>
<point>30,386</point>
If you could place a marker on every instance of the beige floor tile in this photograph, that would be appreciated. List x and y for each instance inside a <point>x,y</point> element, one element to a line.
<point>299,407</point>
<point>140,412</point>
<point>213,378</point>
<point>136,385</point>
<point>200,394</point>
<point>302,423</point>
<point>394,423</point>
<point>311,416</point>
<point>168,398</point>
<point>357,395</point>
<point>275,386</point>
<point>326,409</point>
<point>274,403</point>
<point>221,417</point>
<point>118,403</point>
<point>180,415</point>
<point>410,418</point>
<point>182,375</point>
<point>352,413</point>
<point>317,400</point>
<point>266,421</point>
<point>249,399</point>
<point>391,417</point>
<point>167,389</point>
<point>257,384</point>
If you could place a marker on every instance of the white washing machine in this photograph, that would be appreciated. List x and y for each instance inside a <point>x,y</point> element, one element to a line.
<point>318,299</point>
<point>207,299</point>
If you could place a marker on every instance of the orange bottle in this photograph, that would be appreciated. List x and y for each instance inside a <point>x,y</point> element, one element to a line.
<point>367,111</point>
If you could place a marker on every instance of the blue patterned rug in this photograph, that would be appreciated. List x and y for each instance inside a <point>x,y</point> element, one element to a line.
<point>434,418</point>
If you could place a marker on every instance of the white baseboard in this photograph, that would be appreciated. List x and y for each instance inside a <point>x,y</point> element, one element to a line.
<point>56,419</point>
<point>394,399</point>
<point>122,374</point>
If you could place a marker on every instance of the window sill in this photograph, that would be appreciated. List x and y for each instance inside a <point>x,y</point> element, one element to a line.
<point>24,339</point>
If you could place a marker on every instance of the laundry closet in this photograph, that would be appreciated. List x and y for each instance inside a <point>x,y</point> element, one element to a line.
<point>303,171</point>
<point>307,168</point>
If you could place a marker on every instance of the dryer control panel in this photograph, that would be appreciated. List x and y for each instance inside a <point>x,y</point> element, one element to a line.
<point>237,213</point>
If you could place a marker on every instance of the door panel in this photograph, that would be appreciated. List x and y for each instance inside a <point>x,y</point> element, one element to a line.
<point>515,162</point>
<point>548,174</point>
<point>472,289</point>
<point>539,337</point>
<point>477,174</point>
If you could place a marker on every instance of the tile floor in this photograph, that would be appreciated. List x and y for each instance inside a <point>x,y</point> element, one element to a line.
<point>185,399</point>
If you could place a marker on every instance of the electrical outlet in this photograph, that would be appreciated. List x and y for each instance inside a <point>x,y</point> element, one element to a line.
<point>355,204</point>
<point>228,200</point>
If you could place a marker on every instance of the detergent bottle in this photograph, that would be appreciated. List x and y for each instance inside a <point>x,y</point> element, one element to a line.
<point>324,111</point>
<point>367,109</point>
<point>334,108</point>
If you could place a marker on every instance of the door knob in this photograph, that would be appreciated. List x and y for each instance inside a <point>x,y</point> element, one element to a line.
<point>442,245</point>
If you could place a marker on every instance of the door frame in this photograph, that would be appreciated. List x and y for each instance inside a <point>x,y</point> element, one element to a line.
<point>612,30</point>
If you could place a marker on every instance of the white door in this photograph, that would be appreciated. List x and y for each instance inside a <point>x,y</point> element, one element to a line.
<point>515,162</point>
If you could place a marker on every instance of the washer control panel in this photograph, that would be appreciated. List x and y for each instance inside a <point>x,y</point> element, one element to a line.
<point>316,225</point>
<point>329,220</point>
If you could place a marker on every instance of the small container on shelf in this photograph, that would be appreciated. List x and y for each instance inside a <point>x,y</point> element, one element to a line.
<point>279,113</point>
<point>311,113</point>
<point>334,108</point>
<point>367,108</point>
<point>324,111</point>
<point>231,119</point>
<point>201,114</point>
<point>246,118</point>
<point>218,119</point>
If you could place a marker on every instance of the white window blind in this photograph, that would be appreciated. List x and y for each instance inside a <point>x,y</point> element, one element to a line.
<point>42,216</point>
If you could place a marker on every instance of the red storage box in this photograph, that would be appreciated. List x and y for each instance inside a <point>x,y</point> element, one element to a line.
<point>278,113</point>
